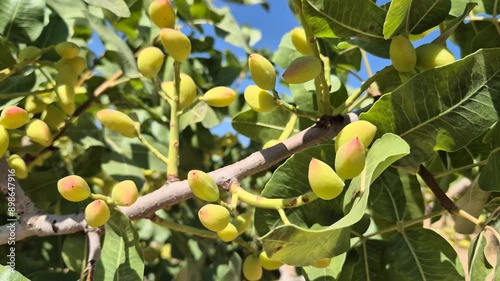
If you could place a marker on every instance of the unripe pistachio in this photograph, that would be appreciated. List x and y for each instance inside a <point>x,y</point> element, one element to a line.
<point>268,263</point>
<point>229,233</point>
<point>270,143</point>
<point>67,50</point>
<point>324,182</point>
<point>259,100</point>
<point>363,130</point>
<point>39,132</point>
<point>28,53</point>
<point>433,55</point>
<point>252,270</point>
<point>219,96</point>
<point>302,70</point>
<point>262,72</point>
<point>53,116</point>
<point>243,221</point>
<point>4,140</point>
<point>162,13</point>
<point>203,186</point>
<point>350,159</point>
<point>67,75</point>
<point>66,98</point>
<point>73,188</point>
<point>150,61</point>
<point>299,41</point>
<point>125,193</point>
<point>17,163</point>
<point>117,121</point>
<point>77,64</point>
<point>175,43</point>
<point>13,117</point>
<point>214,217</point>
<point>402,54</point>
<point>34,105</point>
<point>322,263</point>
<point>187,93</point>
<point>97,213</point>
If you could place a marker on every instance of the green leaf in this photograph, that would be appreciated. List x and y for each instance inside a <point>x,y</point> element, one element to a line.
<point>387,196</point>
<point>286,52</point>
<point>479,267</point>
<point>453,24</point>
<point>126,159</point>
<point>7,273</point>
<point>395,16</point>
<point>230,270</point>
<point>22,20</point>
<point>421,254</point>
<point>344,18</point>
<point>396,196</point>
<point>486,38</point>
<point>489,179</point>
<point>194,115</point>
<point>261,127</point>
<point>483,7</point>
<point>442,108</point>
<point>230,31</point>
<point>493,136</point>
<point>330,272</point>
<point>85,132</point>
<point>121,52</point>
<point>74,250</point>
<point>364,266</point>
<point>73,14</point>
<point>121,255</point>
<point>117,7</point>
<point>425,14</point>
<point>319,227</point>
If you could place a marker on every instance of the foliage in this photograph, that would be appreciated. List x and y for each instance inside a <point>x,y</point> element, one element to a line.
<point>119,115</point>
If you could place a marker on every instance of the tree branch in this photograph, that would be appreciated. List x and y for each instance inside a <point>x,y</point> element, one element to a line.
<point>175,192</point>
<point>94,237</point>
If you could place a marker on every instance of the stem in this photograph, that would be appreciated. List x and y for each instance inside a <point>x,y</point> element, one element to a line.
<point>459,169</point>
<point>104,198</point>
<point>271,203</point>
<point>357,94</point>
<point>290,126</point>
<point>357,103</point>
<point>283,216</point>
<point>173,144</point>
<point>24,94</point>
<point>150,147</point>
<point>366,62</point>
<point>403,224</point>
<point>196,231</point>
<point>322,88</point>
<point>313,115</point>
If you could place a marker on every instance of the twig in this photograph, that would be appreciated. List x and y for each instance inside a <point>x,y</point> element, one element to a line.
<point>430,181</point>
<point>448,205</point>
<point>94,237</point>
